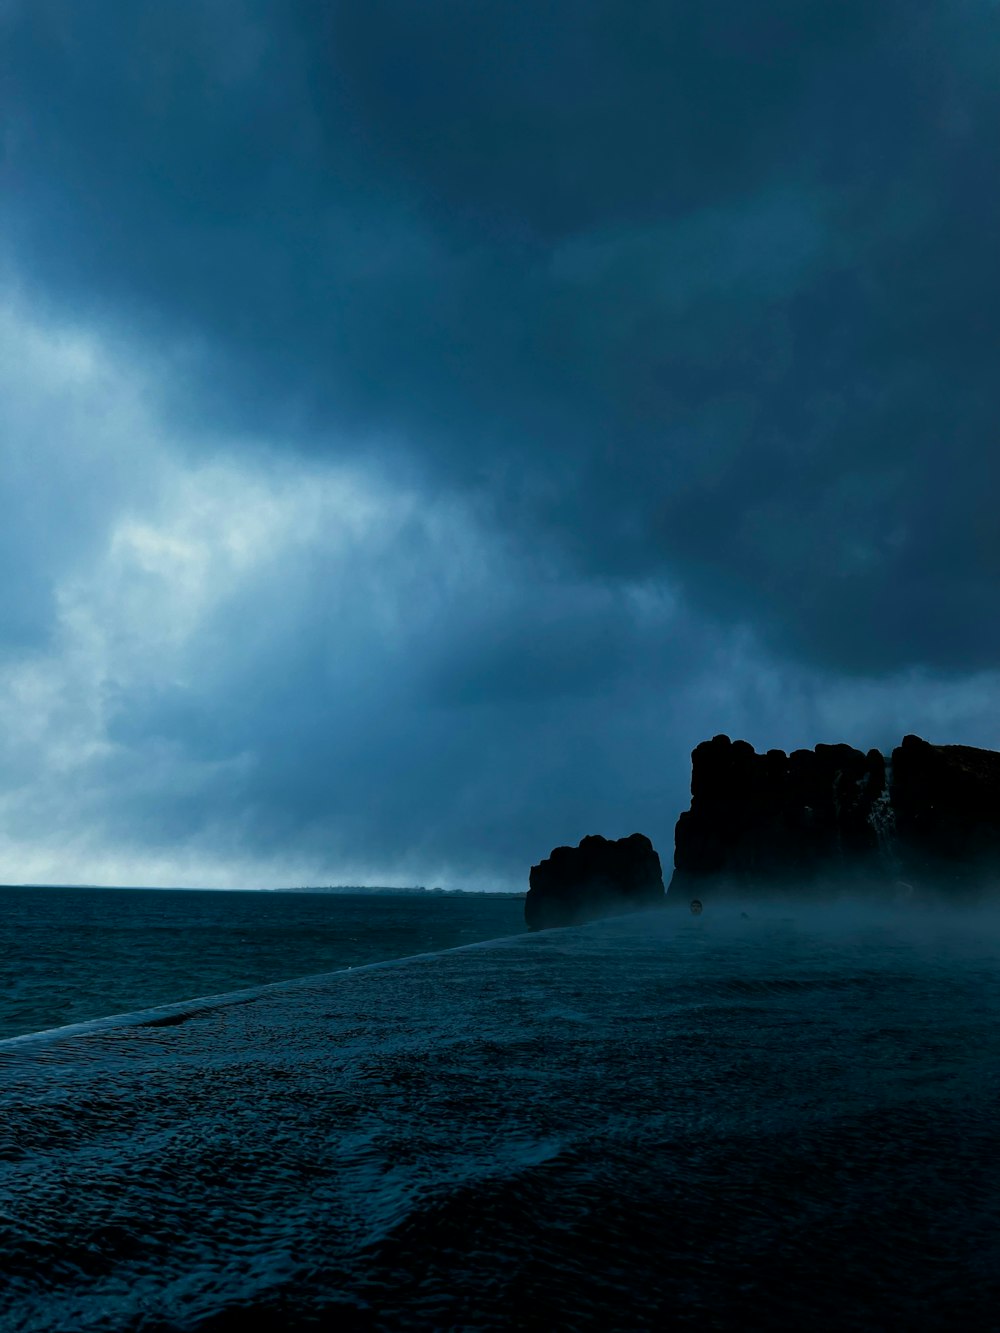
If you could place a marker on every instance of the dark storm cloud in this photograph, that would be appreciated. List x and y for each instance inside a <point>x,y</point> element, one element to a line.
<point>703,292</point>
<point>255,666</point>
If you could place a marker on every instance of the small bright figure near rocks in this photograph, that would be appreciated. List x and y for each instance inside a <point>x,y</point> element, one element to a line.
<point>696,906</point>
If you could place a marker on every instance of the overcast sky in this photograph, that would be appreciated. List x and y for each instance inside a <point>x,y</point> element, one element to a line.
<point>423,421</point>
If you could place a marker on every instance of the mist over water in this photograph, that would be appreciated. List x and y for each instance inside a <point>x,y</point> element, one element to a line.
<point>782,1119</point>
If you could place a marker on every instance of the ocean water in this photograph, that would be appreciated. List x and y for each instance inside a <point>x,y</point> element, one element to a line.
<point>784,1120</point>
<point>73,954</point>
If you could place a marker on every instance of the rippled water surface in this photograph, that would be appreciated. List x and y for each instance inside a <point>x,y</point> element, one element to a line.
<point>73,954</point>
<point>786,1121</point>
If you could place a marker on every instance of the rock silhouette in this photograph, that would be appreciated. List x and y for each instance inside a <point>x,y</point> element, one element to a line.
<point>838,816</point>
<point>596,879</point>
<point>946,815</point>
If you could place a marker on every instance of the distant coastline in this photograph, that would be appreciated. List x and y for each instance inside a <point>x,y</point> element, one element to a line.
<point>370,889</point>
<point>392,889</point>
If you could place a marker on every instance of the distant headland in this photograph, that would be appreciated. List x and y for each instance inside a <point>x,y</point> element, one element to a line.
<point>922,823</point>
<point>396,891</point>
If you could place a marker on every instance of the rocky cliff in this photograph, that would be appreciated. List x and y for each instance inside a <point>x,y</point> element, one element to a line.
<point>928,820</point>
<point>598,878</point>
<point>945,816</point>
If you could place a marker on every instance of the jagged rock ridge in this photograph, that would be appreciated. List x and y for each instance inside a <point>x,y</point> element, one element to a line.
<point>930,819</point>
<point>598,878</point>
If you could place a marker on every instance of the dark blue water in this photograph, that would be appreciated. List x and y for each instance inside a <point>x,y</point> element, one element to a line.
<point>72,954</point>
<point>785,1121</point>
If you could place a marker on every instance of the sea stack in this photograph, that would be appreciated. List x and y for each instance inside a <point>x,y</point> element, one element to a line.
<point>838,818</point>
<point>598,878</point>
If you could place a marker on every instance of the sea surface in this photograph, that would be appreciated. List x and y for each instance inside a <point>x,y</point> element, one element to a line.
<point>784,1120</point>
<point>70,954</point>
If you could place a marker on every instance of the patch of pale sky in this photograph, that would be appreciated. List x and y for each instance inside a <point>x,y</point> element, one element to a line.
<point>163,561</point>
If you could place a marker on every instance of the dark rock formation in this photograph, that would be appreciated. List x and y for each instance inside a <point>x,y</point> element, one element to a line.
<point>598,878</point>
<point>835,815</point>
<point>946,815</point>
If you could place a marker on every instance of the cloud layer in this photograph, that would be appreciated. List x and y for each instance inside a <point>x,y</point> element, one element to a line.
<point>422,424</point>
